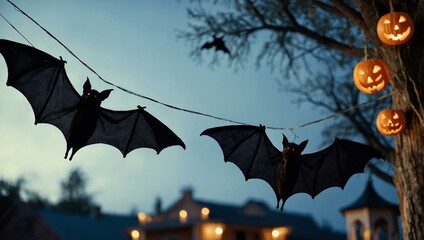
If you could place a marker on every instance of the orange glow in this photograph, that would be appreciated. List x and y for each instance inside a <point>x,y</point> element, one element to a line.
<point>219,230</point>
<point>212,231</point>
<point>395,28</point>
<point>143,218</point>
<point>205,213</point>
<point>135,235</point>
<point>280,233</point>
<point>391,122</point>
<point>367,235</point>
<point>275,233</point>
<point>183,215</point>
<point>371,75</point>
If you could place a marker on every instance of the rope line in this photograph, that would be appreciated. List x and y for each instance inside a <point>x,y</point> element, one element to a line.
<point>342,111</point>
<point>180,108</point>
<point>117,86</point>
<point>16,30</point>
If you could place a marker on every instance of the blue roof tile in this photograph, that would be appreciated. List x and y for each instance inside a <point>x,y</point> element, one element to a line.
<point>84,227</point>
<point>370,198</point>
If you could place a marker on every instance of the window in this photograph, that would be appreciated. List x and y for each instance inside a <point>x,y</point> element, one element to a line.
<point>381,227</point>
<point>359,230</point>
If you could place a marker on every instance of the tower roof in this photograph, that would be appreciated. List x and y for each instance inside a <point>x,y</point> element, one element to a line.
<point>369,199</point>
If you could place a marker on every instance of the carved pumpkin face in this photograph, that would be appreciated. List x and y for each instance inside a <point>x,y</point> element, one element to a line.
<point>391,122</point>
<point>395,28</point>
<point>371,75</point>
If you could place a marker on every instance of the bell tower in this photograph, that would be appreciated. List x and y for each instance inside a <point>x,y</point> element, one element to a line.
<point>371,217</point>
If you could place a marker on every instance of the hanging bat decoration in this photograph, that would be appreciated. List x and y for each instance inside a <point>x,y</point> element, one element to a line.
<point>42,79</point>
<point>289,172</point>
<point>218,43</point>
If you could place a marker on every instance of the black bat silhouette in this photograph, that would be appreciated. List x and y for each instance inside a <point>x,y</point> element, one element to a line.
<point>288,172</point>
<point>218,43</point>
<point>42,79</point>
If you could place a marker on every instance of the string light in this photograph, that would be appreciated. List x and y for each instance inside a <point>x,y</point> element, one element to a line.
<point>179,108</point>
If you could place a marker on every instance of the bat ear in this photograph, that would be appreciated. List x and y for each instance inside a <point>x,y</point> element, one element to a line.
<point>302,145</point>
<point>87,86</point>
<point>285,141</point>
<point>105,94</point>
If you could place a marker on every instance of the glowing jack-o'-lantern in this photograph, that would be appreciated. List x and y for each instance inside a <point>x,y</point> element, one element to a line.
<point>371,75</point>
<point>391,122</point>
<point>395,28</point>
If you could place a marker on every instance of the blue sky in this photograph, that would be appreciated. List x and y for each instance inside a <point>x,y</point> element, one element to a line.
<point>134,45</point>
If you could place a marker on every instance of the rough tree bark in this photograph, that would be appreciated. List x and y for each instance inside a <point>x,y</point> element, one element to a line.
<point>406,64</point>
<point>409,159</point>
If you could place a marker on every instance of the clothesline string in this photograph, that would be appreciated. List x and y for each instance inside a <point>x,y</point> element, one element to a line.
<point>172,106</point>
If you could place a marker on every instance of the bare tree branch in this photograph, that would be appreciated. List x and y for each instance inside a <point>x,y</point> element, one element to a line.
<point>328,8</point>
<point>381,174</point>
<point>329,42</point>
<point>352,14</point>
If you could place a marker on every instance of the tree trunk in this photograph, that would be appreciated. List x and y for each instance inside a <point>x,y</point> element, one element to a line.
<point>406,64</point>
<point>409,180</point>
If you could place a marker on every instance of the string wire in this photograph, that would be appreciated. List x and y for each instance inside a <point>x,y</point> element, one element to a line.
<point>364,41</point>
<point>180,108</point>
<point>392,9</point>
<point>16,29</point>
<point>341,112</point>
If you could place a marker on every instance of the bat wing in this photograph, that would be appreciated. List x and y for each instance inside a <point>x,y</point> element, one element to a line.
<point>207,45</point>
<point>42,79</point>
<point>223,48</point>
<point>129,130</point>
<point>250,149</point>
<point>333,166</point>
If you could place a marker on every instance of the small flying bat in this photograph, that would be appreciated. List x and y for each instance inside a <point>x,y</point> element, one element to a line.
<point>42,79</point>
<point>218,43</point>
<point>289,172</point>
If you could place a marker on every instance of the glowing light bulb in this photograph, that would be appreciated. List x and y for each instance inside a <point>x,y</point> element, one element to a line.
<point>275,233</point>
<point>135,235</point>
<point>219,230</point>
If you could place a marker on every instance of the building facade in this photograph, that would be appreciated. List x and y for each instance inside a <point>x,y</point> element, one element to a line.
<point>188,218</point>
<point>371,217</point>
<point>193,219</point>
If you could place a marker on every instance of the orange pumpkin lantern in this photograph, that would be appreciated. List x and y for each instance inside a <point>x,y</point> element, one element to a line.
<point>371,75</point>
<point>395,28</point>
<point>391,122</point>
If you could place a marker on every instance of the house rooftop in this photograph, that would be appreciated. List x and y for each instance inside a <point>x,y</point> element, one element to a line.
<point>86,227</point>
<point>253,213</point>
<point>369,199</point>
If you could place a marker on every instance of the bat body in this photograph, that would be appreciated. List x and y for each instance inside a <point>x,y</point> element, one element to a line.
<point>84,122</point>
<point>42,79</point>
<point>288,168</point>
<point>218,43</point>
<point>289,172</point>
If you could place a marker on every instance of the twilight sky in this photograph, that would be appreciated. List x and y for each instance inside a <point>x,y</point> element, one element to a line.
<point>134,45</point>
